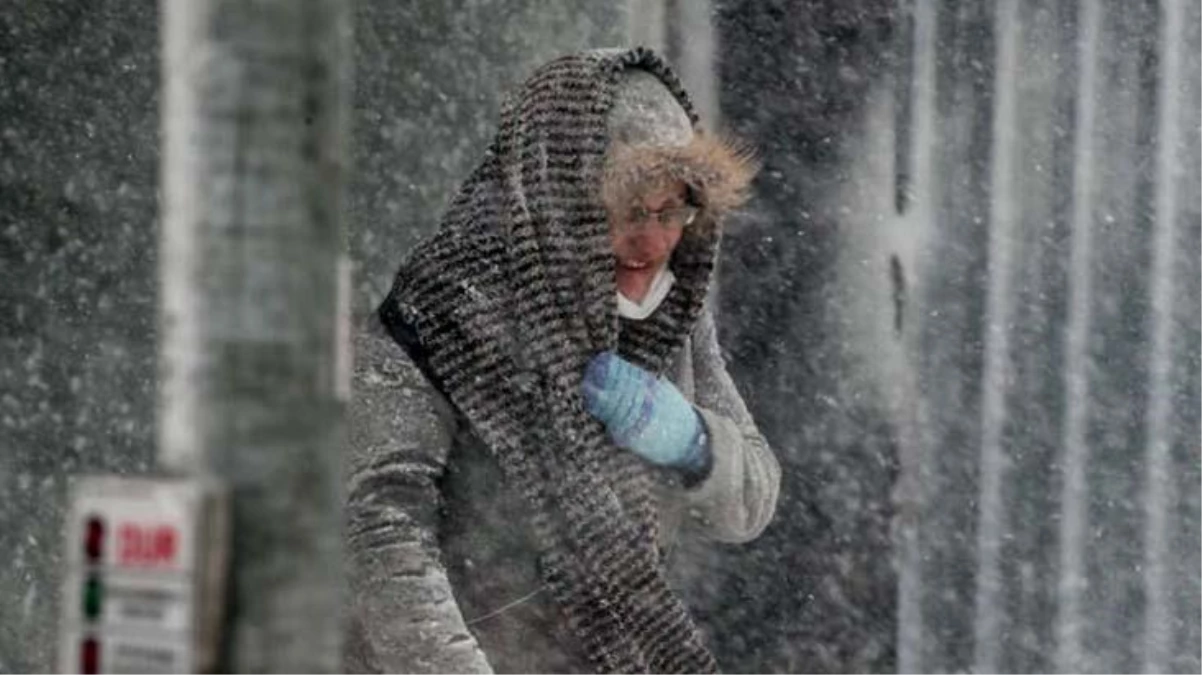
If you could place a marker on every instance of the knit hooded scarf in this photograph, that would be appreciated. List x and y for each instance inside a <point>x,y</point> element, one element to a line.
<point>507,303</point>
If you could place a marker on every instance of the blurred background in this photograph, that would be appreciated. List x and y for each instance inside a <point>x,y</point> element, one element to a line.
<point>963,303</point>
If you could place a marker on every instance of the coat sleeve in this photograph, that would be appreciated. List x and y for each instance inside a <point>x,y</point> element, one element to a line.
<point>736,501</point>
<point>402,614</point>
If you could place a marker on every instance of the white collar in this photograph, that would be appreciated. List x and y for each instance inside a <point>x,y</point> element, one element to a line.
<point>660,285</point>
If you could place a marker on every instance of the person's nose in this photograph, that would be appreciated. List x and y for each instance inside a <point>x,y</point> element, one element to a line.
<point>667,237</point>
<point>652,240</point>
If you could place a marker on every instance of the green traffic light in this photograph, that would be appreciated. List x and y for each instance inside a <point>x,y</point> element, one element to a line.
<point>93,595</point>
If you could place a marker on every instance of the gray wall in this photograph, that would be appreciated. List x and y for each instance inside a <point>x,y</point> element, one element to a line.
<point>1048,155</point>
<point>78,161</point>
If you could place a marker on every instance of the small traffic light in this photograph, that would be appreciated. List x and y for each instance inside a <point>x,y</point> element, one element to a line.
<point>89,656</point>
<point>93,543</point>
<point>93,596</point>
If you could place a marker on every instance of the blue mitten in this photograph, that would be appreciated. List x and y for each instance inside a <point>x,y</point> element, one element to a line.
<point>644,413</point>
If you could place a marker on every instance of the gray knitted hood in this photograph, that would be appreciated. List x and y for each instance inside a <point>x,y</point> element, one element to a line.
<point>504,306</point>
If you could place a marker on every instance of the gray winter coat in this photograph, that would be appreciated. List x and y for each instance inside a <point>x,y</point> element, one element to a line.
<point>442,567</point>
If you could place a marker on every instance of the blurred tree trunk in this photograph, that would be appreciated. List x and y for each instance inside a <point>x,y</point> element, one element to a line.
<point>252,351</point>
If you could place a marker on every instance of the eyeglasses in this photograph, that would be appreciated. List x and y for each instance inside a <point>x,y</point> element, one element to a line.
<point>675,217</point>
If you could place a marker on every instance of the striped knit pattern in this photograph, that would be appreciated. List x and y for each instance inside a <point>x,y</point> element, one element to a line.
<point>509,300</point>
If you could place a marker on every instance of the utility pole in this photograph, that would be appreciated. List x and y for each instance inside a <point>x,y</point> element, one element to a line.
<point>253,305</point>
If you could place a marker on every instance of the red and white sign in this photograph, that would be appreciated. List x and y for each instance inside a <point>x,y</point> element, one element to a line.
<point>139,523</point>
<point>136,587</point>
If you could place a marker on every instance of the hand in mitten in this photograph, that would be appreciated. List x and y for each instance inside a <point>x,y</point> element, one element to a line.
<point>645,414</point>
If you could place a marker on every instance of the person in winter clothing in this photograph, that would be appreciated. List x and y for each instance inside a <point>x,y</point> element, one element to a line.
<point>540,406</point>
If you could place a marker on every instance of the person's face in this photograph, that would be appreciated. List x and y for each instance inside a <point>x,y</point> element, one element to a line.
<point>644,236</point>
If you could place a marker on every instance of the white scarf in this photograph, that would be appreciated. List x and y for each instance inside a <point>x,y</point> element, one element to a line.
<point>660,285</point>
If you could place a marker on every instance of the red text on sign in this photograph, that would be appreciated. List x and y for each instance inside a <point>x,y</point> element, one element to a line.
<point>147,544</point>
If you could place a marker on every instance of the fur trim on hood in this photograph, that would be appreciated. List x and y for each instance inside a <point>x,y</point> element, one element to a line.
<point>718,171</point>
